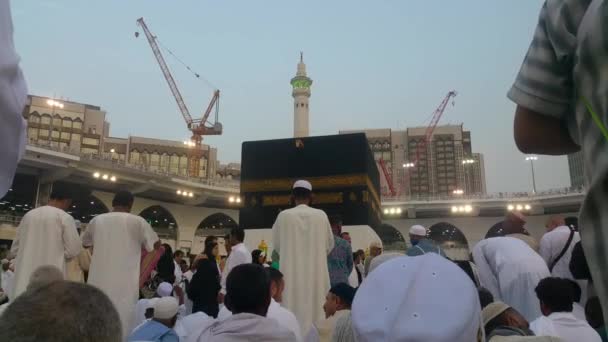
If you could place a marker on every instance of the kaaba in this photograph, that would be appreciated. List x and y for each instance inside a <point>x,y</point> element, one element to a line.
<point>341,169</point>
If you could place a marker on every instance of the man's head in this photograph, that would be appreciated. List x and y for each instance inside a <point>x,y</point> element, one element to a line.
<point>375,248</point>
<point>514,223</point>
<point>183,265</point>
<point>302,192</point>
<point>555,295</point>
<point>339,297</point>
<point>61,311</point>
<point>123,201</point>
<point>61,197</point>
<point>165,311</point>
<point>237,235</point>
<point>346,236</point>
<point>178,256</point>
<point>336,224</point>
<point>164,289</point>
<point>43,276</point>
<point>210,239</point>
<point>417,233</point>
<point>593,313</point>
<point>5,264</point>
<point>361,254</point>
<point>248,290</point>
<point>499,314</point>
<point>277,283</point>
<point>554,222</point>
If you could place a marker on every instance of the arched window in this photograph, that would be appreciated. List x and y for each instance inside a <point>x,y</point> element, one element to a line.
<point>77,124</point>
<point>134,157</point>
<point>85,209</point>
<point>34,118</point>
<point>162,221</point>
<point>451,239</point>
<point>45,119</point>
<point>217,221</point>
<point>174,168</point>
<point>392,239</point>
<point>154,161</point>
<point>56,121</point>
<point>67,123</point>
<point>183,165</point>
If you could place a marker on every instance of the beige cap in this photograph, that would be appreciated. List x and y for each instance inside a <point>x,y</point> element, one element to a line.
<point>492,311</point>
<point>165,308</point>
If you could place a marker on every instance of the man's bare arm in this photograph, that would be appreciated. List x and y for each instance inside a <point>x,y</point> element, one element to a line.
<point>541,134</point>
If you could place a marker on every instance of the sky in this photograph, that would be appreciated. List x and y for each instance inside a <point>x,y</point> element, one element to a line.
<point>374,64</point>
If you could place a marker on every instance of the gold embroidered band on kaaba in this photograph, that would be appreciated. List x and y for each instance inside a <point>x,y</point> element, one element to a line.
<point>318,183</point>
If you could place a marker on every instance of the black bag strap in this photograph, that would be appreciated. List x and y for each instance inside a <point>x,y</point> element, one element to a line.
<point>564,250</point>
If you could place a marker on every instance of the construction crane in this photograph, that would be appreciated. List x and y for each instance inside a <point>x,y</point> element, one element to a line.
<point>387,176</point>
<point>421,147</point>
<point>198,127</point>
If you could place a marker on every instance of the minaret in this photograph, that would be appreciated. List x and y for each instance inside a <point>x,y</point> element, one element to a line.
<point>301,93</point>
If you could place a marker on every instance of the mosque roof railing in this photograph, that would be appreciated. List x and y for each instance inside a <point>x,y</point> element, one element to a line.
<point>507,196</point>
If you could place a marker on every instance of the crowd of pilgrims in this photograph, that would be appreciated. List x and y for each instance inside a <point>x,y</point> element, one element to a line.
<point>116,282</point>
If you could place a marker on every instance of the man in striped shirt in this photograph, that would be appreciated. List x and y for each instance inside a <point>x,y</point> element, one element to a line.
<point>562,106</point>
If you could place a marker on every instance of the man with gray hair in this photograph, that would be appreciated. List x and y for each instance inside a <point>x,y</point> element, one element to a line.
<point>41,277</point>
<point>61,311</point>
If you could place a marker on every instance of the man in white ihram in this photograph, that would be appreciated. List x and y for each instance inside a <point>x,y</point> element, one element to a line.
<point>13,95</point>
<point>117,239</point>
<point>302,239</point>
<point>510,270</point>
<point>46,235</point>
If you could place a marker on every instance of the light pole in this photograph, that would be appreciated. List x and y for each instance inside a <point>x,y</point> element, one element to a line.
<point>531,159</point>
<point>466,162</point>
<point>407,167</point>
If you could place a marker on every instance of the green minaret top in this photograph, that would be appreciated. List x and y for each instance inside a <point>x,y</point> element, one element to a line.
<point>301,81</point>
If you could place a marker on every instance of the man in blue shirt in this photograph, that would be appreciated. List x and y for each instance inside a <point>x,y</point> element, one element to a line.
<point>421,244</point>
<point>160,327</point>
<point>340,259</point>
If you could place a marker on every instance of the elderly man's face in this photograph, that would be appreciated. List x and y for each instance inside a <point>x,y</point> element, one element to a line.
<point>375,251</point>
<point>331,305</point>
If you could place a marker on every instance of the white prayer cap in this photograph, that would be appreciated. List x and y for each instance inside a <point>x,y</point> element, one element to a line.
<point>164,289</point>
<point>423,298</point>
<point>304,184</point>
<point>418,230</point>
<point>165,308</point>
<point>4,262</point>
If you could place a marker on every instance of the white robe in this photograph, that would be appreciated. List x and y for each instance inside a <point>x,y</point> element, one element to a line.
<point>284,317</point>
<point>303,238</point>
<point>117,239</point>
<point>45,236</point>
<point>244,327</point>
<point>13,96</point>
<point>510,270</point>
<point>565,326</point>
<point>7,282</point>
<point>239,255</point>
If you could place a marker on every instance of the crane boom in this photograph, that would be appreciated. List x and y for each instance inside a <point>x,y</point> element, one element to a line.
<point>387,176</point>
<point>428,135</point>
<point>166,72</point>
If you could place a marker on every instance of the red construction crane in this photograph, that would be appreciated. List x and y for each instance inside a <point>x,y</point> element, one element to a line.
<point>428,136</point>
<point>198,127</point>
<point>387,176</point>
